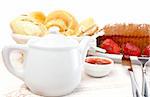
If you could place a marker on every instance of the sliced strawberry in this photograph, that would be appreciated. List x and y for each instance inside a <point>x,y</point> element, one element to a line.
<point>131,50</point>
<point>147,50</point>
<point>110,46</point>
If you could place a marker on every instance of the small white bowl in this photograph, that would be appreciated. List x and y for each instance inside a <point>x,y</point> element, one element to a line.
<point>100,70</point>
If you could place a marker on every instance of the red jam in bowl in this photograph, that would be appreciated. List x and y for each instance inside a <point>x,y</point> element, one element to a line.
<point>97,61</point>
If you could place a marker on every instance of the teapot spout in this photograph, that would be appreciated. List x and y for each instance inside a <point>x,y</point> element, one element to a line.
<point>84,46</point>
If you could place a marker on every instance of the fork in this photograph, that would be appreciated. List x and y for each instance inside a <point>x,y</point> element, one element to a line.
<point>143,62</point>
<point>135,89</point>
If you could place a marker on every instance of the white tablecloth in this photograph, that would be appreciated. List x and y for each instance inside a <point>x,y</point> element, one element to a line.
<point>116,84</point>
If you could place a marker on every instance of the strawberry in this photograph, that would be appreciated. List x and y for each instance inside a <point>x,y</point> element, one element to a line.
<point>110,46</point>
<point>147,50</point>
<point>131,50</point>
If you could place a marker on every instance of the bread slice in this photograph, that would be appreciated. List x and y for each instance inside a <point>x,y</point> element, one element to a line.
<point>26,25</point>
<point>88,27</point>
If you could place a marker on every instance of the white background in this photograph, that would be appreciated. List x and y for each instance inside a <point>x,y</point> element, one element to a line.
<point>103,11</point>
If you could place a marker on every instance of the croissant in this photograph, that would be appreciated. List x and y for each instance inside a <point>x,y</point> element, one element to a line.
<point>65,21</point>
<point>39,16</point>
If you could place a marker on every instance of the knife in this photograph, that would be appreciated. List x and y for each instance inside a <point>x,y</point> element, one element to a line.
<point>135,89</point>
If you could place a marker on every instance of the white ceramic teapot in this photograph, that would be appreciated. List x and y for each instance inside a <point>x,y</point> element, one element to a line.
<point>52,64</point>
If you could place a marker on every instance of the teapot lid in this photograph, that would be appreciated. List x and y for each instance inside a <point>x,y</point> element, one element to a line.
<point>53,41</point>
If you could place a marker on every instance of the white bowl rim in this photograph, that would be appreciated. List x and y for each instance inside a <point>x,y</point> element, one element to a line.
<point>112,62</point>
<point>24,37</point>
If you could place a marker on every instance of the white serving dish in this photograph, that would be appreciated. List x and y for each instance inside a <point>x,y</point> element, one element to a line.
<point>116,57</point>
<point>21,39</point>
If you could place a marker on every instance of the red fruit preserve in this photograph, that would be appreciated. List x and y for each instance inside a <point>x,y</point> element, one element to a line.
<point>97,61</point>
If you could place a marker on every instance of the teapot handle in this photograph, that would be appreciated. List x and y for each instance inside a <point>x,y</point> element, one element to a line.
<point>6,58</point>
<point>84,46</point>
